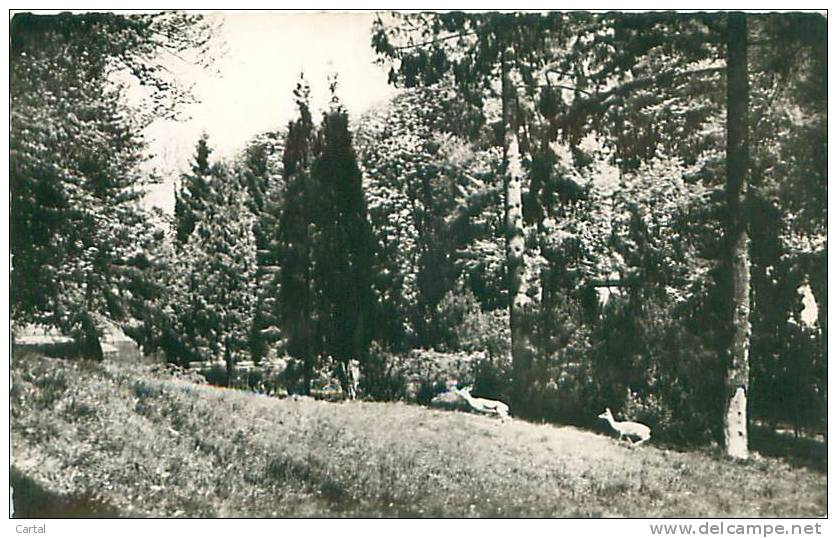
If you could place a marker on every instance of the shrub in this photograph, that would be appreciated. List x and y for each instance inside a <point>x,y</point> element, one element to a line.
<point>492,377</point>
<point>178,372</point>
<point>650,409</point>
<point>685,398</point>
<point>293,376</point>
<point>649,365</point>
<point>467,327</point>
<point>417,375</point>
<point>559,379</point>
<point>215,374</point>
<point>567,395</point>
<point>253,379</point>
<point>636,354</point>
<point>427,390</point>
<point>381,379</point>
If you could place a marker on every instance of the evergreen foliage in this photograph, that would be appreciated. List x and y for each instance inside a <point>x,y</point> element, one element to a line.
<point>563,201</point>
<point>325,302</point>
<point>75,152</point>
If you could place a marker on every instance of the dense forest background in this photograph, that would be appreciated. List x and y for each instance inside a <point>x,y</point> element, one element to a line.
<point>568,211</point>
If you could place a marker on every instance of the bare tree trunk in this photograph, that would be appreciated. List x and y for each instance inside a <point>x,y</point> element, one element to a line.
<point>519,303</point>
<point>228,362</point>
<point>738,242</point>
<point>89,337</point>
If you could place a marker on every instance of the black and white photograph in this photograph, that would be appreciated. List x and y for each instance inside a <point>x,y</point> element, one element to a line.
<point>407,264</point>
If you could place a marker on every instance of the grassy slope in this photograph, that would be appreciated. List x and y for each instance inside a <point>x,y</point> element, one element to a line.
<point>145,444</point>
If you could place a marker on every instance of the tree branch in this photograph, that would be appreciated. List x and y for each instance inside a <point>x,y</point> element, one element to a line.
<point>613,283</point>
<point>650,81</point>
<point>631,85</point>
<point>560,72</point>
<point>562,86</point>
<point>554,67</point>
<point>176,55</point>
<point>433,41</point>
<point>570,88</point>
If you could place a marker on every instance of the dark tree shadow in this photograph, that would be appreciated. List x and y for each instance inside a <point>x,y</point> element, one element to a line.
<point>31,500</point>
<point>805,452</point>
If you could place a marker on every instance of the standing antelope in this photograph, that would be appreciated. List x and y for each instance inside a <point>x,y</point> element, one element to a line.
<point>631,430</point>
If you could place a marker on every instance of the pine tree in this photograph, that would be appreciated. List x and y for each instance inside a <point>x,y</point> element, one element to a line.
<point>325,301</point>
<point>738,242</point>
<point>214,277</point>
<point>298,298</point>
<point>76,148</point>
<point>191,196</point>
<point>259,170</point>
<point>344,253</point>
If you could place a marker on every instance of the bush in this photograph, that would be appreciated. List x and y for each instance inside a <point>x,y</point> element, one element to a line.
<point>427,390</point>
<point>467,327</point>
<point>430,372</point>
<point>636,354</point>
<point>492,377</point>
<point>417,375</point>
<point>559,381</point>
<point>649,409</point>
<point>178,372</point>
<point>567,396</point>
<point>215,374</point>
<point>381,379</point>
<point>650,366</point>
<point>292,378</point>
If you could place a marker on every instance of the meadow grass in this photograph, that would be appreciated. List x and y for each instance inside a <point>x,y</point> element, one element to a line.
<point>146,444</point>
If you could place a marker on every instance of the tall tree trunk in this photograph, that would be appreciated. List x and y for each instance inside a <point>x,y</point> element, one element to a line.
<point>519,303</point>
<point>738,242</point>
<point>228,362</point>
<point>89,338</point>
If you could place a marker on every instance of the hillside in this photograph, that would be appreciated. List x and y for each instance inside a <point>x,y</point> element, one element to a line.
<point>101,438</point>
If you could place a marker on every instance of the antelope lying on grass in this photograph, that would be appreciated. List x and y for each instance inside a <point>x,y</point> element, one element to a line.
<point>484,405</point>
<point>631,430</point>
